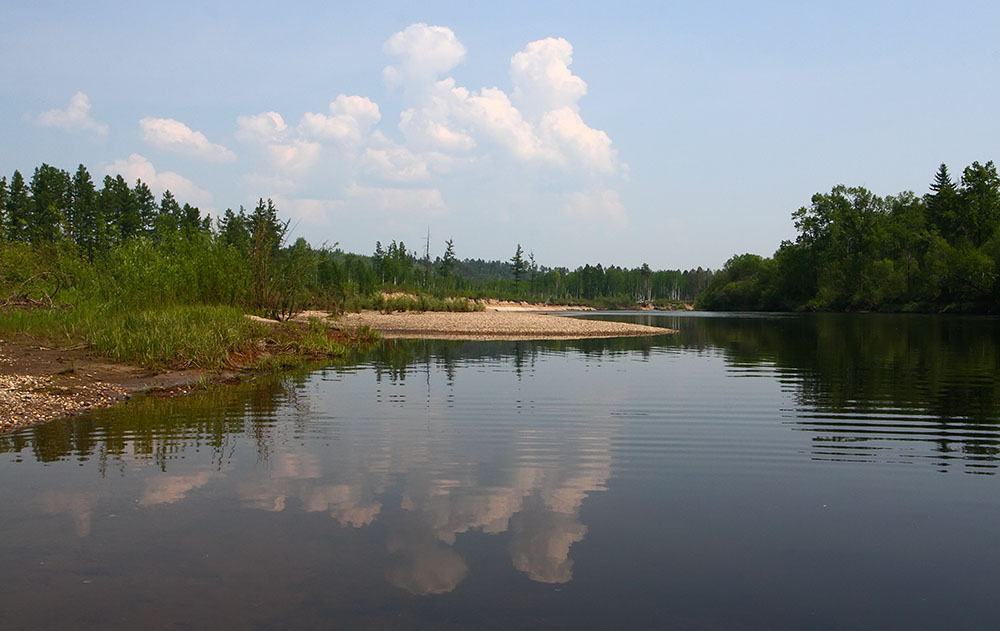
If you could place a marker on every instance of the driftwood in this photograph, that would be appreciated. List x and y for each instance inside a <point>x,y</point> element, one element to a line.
<point>21,299</point>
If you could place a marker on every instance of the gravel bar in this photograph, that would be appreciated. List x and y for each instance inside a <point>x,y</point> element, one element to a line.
<point>492,325</point>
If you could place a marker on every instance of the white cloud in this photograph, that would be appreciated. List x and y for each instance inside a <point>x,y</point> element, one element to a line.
<point>137,167</point>
<point>296,156</point>
<point>541,124</point>
<point>564,130</point>
<point>425,53</point>
<point>76,117</point>
<point>308,212</point>
<point>266,127</point>
<point>349,121</point>
<point>423,200</point>
<point>595,208</point>
<point>426,132</point>
<point>393,161</point>
<point>172,135</point>
<point>542,79</point>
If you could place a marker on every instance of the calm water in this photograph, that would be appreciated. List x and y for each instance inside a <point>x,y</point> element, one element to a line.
<point>751,472</point>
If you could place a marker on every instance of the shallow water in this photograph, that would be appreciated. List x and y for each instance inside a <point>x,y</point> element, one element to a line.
<point>749,472</point>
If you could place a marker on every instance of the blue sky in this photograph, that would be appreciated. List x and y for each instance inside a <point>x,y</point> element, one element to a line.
<point>675,134</point>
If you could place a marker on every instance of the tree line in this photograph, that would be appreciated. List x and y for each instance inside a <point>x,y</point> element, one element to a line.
<point>135,247</point>
<point>857,251</point>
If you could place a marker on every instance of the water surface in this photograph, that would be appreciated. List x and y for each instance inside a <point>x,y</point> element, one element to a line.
<point>750,472</point>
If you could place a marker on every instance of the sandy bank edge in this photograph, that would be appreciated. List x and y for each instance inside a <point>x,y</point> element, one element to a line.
<point>492,325</point>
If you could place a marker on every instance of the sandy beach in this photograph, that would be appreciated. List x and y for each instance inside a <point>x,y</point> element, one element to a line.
<point>492,324</point>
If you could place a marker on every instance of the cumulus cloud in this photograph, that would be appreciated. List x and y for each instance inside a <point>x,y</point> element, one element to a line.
<point>75,117</point>
<point>542,79</point>
<point>564,130</point>
<point>539,123</point>
<point>424,52</point>
<point>172,135</point>
<point>138,167</point>
<point>595,208</point>
<point>349,120</point>
<point>296,156</point>
<point>266,127</point>
<point>534,133</point>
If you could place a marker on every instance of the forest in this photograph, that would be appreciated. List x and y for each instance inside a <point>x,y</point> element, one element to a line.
<point>857,251</point>
<point>166,252</point>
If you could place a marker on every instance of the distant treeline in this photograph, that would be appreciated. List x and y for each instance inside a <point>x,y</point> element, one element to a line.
<point>858,251</point>
<point>122,233</point>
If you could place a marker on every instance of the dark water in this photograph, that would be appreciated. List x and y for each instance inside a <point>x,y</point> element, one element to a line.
<point>751,472</point>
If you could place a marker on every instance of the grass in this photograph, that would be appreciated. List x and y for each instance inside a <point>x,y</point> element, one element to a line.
<point>178,336</point>
<point>182,336</point>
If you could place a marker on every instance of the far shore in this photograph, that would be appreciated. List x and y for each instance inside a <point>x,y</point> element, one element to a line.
<point>40,382</point>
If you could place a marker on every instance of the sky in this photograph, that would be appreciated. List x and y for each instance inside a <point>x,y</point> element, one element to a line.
<point>670,133</point>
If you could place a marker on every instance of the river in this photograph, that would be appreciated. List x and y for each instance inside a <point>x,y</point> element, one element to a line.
<point>750,472</point>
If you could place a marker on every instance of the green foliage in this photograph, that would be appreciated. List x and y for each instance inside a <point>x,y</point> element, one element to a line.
<point>517,264</point>
<point>858,251</point>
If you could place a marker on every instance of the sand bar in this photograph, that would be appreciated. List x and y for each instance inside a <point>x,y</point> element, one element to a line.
<point>492,325</point>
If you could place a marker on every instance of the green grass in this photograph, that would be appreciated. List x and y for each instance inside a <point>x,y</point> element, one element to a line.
<point>200,336</point>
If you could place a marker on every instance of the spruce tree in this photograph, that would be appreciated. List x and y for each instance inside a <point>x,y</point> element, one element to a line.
<point>145,205</point>
<point>3,208</point>
<point>83,224</point>
<point>18,208</point>
<point>50,195</point>
<point>942,204</point>
<point>448,261</point>
<point>517,264</point>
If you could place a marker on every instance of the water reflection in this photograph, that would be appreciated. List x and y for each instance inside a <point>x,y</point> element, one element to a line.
<point>428,463</point>
<point>870,386</point>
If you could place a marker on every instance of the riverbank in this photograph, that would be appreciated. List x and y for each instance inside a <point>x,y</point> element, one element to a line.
<point>504,323</point>
<point>40,382</point>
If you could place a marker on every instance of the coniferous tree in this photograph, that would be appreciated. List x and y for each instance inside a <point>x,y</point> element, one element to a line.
<point>49,196</point>
<point>3,208</point>
<point>84,223</point>
<point>942,204</point>
<point>168,219</point>
<point>517,264</point>
<point>145,205</point>
<point>18,208</point>
<point>379,261</point>
<point>190,223</point>
<point>234,229</point>
<point>448,260</point>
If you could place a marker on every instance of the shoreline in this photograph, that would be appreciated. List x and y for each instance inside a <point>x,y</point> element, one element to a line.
<point>41,383</point>
<point>505,323</point>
